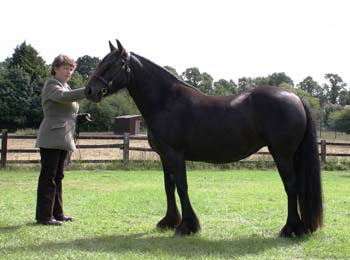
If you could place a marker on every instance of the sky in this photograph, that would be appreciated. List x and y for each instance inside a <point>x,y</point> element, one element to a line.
<point>228,39</point>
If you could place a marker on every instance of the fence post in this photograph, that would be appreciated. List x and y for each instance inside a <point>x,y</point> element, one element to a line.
<point>126,148</point>
<point>4,147</point>
<point>323,151</point>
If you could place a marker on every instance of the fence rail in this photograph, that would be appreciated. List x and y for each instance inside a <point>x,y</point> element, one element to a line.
<point>125,146</point>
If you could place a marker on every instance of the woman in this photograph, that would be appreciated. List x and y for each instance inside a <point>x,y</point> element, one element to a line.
<point>55,139</point>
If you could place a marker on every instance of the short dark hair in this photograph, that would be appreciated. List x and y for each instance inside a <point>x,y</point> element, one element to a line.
<point>62,60</point>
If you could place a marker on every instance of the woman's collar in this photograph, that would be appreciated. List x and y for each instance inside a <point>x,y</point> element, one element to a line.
<point>61,82</point>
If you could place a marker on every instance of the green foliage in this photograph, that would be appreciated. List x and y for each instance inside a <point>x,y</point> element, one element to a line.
<point>245,84</point>
<point>21,80</point>
<point>275,79</point>
<point>340,120</point>
<point>172,70</point>
<point>311,87</point>
<point>223,87</point>
<point>86,65</point>
<point>344,98</point>
<point>327,111</point>
<point>192,76</point>
<point>77,80</point>
<point>334,87</point>
<point>3,68</point>
<point>26,57</point>
<point>15,99</point>
<point>202,81</point>
<point>103,113</point>
<point>206,84</point>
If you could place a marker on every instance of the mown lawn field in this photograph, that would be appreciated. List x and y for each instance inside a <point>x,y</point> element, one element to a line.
<point>241,213</point>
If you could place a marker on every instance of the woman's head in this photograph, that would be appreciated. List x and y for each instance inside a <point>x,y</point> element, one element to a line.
<point>63,67</point>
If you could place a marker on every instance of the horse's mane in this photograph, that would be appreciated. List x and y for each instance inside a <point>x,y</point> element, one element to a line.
<point>165,72</point>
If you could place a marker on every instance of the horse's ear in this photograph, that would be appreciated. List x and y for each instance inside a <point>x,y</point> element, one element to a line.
<point>121,49</point>
<point>111,46</point>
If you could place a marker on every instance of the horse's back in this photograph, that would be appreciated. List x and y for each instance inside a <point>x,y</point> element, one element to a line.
<point>230,128</point>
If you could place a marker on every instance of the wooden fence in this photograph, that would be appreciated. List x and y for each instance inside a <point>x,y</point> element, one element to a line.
<point>125,146</point>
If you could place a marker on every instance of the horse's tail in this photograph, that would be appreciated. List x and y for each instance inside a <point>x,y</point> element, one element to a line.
<point>307,165</point>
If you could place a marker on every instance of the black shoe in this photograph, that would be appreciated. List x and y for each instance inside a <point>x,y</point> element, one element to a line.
<point>65,219</point>
<point>50,222</point>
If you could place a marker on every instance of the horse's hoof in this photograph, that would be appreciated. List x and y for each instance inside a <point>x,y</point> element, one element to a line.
<point>168,223</point>
<point>187,227</point>
<point>288,230</point>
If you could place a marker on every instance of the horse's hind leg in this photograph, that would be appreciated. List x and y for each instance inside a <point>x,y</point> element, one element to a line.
<point>172,217</point>
<point>289,178</point>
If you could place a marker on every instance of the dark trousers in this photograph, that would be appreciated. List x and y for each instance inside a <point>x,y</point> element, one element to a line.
<point>49,197</point>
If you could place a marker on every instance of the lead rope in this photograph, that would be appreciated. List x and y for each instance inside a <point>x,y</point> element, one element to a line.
<point>77,132</point>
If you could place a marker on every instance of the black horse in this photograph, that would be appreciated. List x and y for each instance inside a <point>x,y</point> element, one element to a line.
<point>185,124</point>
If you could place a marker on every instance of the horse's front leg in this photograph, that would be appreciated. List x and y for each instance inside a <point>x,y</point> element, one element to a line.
<point>189,223</point>
<point>172,217</point>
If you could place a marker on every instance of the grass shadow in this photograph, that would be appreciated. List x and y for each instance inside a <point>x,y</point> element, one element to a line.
<point>15,228</point>
<point>153,244</point>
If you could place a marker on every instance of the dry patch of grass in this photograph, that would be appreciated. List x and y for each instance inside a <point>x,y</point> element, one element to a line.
<point>117,154</point>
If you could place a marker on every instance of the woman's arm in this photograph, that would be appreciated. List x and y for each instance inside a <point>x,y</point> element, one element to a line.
<point>63,95</point>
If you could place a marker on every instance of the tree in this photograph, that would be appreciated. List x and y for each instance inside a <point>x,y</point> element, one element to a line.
<point>15,98</point>
<point>23,76</point>
<point>26,57</point>
<point>261,81</point>
<point>3,69</point>
<point>276,79</point>
<point>311,87</point>
<point>334,87</point>
<point>192,76</point>
<point>340,120</point>
<point>314,90</point>
<point>86,65</point>
<point>104,113</point>
<point>326,113</point>
<point>77,80</point>
<point>245,83</point>
<point>206,84</point>
<point>223,87</point>
<point>172,71</point>
<point>344,98</point>
<point>203,82</point>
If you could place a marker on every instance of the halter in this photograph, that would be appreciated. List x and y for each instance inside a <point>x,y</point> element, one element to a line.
<point>125,67</point>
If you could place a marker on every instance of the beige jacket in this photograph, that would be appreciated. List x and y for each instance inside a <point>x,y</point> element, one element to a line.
<point>60,111</point>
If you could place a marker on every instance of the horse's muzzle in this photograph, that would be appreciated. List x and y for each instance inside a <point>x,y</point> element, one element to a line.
<point>92,95</point>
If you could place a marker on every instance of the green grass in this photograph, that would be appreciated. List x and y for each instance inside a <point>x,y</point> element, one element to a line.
<point>241,213</point>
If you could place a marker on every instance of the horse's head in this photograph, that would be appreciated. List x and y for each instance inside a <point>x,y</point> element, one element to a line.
<point>111,75</point>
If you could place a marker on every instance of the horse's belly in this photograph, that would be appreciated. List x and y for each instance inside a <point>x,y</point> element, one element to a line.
<point>223,154</point>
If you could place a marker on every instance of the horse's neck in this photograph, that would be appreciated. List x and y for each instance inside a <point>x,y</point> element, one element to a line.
<point>151,86</point>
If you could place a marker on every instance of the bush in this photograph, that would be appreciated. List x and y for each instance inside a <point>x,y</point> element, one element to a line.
<point>340,120</point>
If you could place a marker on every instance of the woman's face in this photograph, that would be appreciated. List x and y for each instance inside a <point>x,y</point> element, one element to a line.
<point>64,73</point>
